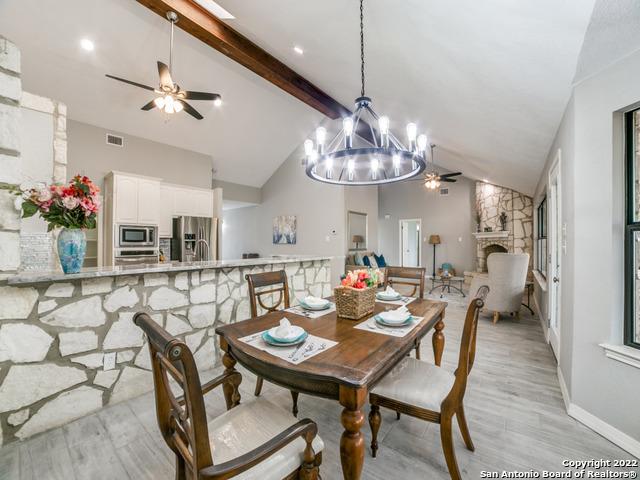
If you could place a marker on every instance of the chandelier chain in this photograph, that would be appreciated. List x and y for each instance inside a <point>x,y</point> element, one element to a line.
<point>362,47</point>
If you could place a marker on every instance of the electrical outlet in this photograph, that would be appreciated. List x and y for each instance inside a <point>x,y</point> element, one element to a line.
<point>109,361</point>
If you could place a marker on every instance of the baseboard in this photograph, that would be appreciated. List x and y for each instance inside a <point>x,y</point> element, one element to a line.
<point>621,439</point>
<point>543,323</point>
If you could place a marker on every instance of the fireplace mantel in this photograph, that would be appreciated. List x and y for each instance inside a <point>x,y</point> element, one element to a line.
<point>488,235</point>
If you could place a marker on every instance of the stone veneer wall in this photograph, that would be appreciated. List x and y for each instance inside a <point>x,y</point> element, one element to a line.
<point>491,201</point>
<point>57,339</point>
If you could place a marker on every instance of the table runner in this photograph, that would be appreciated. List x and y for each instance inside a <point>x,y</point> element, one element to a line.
<point>370,325</point>
<point>298,310</point>
<point>296,354</point>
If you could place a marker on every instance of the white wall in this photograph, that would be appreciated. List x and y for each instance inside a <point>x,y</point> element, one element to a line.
<point>320,212</point>
<point>449,216</point>
<point>363,200</point>
<point>592,278</point>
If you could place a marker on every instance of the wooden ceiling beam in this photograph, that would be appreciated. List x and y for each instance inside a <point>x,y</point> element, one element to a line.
<point>198,22</point>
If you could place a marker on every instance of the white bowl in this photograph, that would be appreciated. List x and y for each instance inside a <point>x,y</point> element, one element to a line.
<point>294,332</point>
<point>393,318</point>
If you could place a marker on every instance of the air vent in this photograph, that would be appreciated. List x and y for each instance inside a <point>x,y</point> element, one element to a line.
<point>115,140</point>
<point>444,191</point>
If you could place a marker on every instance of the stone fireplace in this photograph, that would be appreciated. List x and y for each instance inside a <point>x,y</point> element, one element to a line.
<point>486,247</point>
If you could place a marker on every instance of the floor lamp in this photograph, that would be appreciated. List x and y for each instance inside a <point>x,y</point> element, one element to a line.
<point>434,240</point>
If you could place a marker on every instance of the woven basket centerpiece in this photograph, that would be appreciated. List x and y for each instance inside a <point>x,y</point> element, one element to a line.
<point>354,303</point>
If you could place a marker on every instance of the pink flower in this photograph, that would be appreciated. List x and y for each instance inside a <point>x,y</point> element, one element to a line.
<point>69,202</point>
<point>44,195</point>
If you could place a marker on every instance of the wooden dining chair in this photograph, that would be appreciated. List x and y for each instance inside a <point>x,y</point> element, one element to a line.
<point>431,393</point>
<point>258,287</point>
<point>408,277</point>
<point>256,439</point>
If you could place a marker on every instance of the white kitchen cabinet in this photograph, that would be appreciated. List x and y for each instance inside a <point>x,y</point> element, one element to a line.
<point>202,203</point>
<point>183,201</point>
<point>148,201</point>
<point>125,193</point>
<point>167,208</point>
<point>135,199</point>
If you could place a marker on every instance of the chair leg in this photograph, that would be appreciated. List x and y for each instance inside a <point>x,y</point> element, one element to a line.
<point>259,383</point>
<point>374,422</point>
<point>397,415</point>
<point>418,350</point>
<point>496,316</point>
<point>447,446</point>
<point>181,472</point>
<point>518,314</point>
<point>464,428</point>
<point>294,408</point>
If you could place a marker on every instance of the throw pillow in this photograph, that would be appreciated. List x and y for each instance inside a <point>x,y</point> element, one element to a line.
<point>366,261</point>
<point>380,260</point>
<point>372,261</point>
<point>358,259</point>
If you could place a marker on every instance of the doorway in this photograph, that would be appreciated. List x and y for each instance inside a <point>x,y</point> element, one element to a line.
<point>555,255</point>
<point>410,229</point>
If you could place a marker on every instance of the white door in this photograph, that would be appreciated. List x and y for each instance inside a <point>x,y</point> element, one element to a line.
<point>554,269</point>
<point>410,242</point>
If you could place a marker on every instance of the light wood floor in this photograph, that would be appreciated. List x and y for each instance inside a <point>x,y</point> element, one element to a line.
<point>513,402</point>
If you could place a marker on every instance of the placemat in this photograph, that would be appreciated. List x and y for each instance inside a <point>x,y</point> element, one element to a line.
<point>311,347</point>
<point>370,325</point>
<point>311,313</point>
<point>402,301</point>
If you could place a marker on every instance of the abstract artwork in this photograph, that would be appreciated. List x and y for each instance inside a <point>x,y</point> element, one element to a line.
<point>284,229</point>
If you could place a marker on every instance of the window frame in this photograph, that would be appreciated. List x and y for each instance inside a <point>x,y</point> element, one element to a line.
<point>631,227</point>
<point>541,234</point>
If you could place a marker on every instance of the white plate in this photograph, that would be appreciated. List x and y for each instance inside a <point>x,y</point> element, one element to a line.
<point>393,320</point>
<point>294,333</point>
<point>382,296</point>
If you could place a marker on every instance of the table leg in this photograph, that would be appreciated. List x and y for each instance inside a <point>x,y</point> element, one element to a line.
<point>231,392</point>
<point>438,340</point>
<point>352,441</point>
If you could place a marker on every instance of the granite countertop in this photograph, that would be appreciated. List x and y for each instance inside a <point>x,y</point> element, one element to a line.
<point>30,277</point>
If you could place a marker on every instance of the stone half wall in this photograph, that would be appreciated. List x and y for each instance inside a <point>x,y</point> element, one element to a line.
<point>57,339</point>
<point>491,201</point>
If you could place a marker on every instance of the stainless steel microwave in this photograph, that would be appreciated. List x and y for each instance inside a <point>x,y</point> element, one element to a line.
<point>137,236</point>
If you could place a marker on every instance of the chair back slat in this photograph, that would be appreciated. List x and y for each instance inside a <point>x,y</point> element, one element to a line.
<point>183,423</point>
<point>258,281</point>
<point>401,275</point>
<point>467,354</point>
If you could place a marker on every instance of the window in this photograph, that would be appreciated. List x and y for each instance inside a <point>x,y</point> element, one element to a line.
<point>541,239</point>
<point>632,231</point>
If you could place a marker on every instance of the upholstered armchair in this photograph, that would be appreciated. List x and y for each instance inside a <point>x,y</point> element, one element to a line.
<point>506,280</point>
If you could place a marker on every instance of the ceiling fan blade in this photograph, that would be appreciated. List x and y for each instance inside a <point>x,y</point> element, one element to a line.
<point>135,84</point>
<point>191,111</point>
<point>149,105</point>
<point>165,75</point>
<point>189,95</point>
<point>446,175</point>
<point>449,180</point>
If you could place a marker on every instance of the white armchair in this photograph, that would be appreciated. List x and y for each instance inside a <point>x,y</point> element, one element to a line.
<point>506,280</point>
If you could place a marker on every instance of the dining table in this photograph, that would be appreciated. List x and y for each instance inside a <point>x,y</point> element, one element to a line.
<point>346,372</point>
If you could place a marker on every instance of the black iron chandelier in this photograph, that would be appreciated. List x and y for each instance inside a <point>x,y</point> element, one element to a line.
<point>349,159</point>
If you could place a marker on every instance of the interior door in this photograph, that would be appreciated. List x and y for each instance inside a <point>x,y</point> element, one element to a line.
<point>410,243</point>
<point>555,256</point>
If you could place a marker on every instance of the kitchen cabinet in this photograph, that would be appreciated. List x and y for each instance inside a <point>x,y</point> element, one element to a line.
<point>148,201</point>
<point>135,199</point>
<point>167,210</point>
<point>192,202</point>
<point>202,203</point>
<point>125,192</point>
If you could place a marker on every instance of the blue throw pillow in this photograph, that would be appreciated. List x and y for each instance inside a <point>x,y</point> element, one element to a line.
<point>366,261</point>
<point>358,259</point>
<point>380,260</point>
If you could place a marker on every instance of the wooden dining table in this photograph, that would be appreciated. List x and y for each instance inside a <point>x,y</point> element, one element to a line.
<point>346,372</point>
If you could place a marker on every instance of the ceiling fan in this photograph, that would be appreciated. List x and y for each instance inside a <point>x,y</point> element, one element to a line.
<point>432,179</point>
<point>172,97</point>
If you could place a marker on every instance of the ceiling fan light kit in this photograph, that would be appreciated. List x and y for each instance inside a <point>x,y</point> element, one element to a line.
<point>172,99</point>
<point>348,160</point>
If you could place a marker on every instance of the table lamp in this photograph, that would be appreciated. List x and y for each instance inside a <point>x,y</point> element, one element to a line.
<point>357,239</point>
<point>434,240</point>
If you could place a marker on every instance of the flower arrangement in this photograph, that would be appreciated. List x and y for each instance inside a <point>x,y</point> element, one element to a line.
<point>364,278</point>
<point>72,206</point>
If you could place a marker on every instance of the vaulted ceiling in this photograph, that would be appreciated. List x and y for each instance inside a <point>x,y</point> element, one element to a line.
<point>487,80</point>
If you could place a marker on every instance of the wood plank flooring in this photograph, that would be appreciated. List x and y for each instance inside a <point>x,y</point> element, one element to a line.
<point>513,402</point>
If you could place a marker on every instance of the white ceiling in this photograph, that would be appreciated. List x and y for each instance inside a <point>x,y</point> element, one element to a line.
<point>488,80</point>
<point>245,137</point>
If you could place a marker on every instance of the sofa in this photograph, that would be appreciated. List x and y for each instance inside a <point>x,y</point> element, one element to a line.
<point>350,263</point>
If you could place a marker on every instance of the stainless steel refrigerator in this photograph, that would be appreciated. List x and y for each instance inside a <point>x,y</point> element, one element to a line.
<point>194,239</point>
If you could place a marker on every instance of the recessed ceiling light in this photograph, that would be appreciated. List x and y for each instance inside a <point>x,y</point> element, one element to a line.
<point>217,102</point>
<point>298,50</point>
<point>87,44</point>
<point>212,7</point>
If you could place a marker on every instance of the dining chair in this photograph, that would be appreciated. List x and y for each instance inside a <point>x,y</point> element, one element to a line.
<point>258,283</point>
<point>256,439</point>
<point>407,277</point>
<point>431,393</point>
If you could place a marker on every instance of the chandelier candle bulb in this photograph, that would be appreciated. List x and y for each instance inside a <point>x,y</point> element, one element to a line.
<point>412,131</point>
<point>308,147</point>
<point>351,168</point>
<point>374,168</point>
<point>347,126</point>
<point>321,136</point>
<point>396,165</point>
<point>422,143</point>
<point>383,124</point>
<point>329,164</point>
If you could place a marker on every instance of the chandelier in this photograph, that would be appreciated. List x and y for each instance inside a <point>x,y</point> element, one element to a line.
<point>348,159</point>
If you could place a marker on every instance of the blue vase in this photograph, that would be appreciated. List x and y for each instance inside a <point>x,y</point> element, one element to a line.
<point>72,246</point>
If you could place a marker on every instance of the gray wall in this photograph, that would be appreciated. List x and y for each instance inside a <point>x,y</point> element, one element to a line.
<point>590,138</point>
<point>239,193</point>
<point>320,211</point>
<point>449,216</point>
<point>364,200</point>
<point>89,154</point>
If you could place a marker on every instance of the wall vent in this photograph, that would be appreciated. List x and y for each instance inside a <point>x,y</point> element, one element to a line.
<point>444,191</point>
<point>115,140</point>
